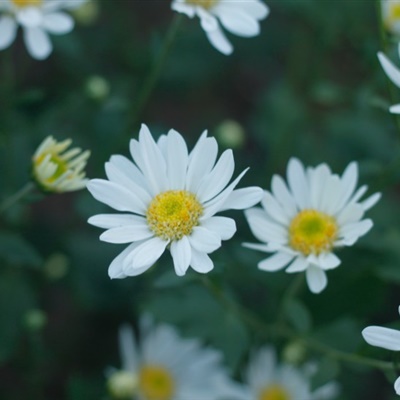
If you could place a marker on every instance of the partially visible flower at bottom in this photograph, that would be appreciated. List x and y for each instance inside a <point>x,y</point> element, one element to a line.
<point>58,170</point>
<point>387,339</point>
<point>268,380</point>
<point>164,366</point>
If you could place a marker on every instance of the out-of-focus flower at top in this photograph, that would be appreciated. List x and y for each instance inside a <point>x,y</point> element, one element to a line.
<point>58,170</point>
<point>170,197</point>
<point>387,339</point>
<point>391,15</point>
<point>37,18</point>
<point>393,73</point>
<point>268,380</point>
<point>164,366</point>
<point>237,16</point>
<point>303,223</point>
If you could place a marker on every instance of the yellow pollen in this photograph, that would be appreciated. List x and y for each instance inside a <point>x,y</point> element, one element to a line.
<point>27,3</point>
<point>274,392</point>
<point>156,383</point>
<point>312,232</point>
<point>173,214</point>
<point>207,4</point>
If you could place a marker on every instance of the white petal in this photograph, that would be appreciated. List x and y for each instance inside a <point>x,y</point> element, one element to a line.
<point>256,8</point>
<point>273,209</point>
<point>129,169</point>
<point>115,174</point>
<point>391,71</point>
<point>208,22</point>
<point>214,182</point>
<point>151,162</point>
<point>241,199</point>
<point>356,229</point>
<point>328,261</point>
<point>201,161</point>
<point>204,240</point>
<point>183,8</point>
<point>237,21</point>
<point>318,178</point>
<point>127,234</point>
<point>108,221</point>
<point>148,253</point>
<point>353,212</point>
<point>201,262</point>
<point>395,109</point>
<point>382,337</point>
<point>115,270</point>
<point>8,30</point>
<point>177,160</point>
<point>30,17</point>
<point>316,279</point>
<point>219,41</point>
<point>127,348</point>
<point>215,205</point>
<point>181,253</point>
<point>349,182</point>
<point>115,196</point>
<point>299,264</point>
<point>259,247</point>
<point>263,229</point>
<point>223,226</point>
<point>37,43</point>
<point>58,23</point>
<point>330,196</point>
<point>370,201</point>
<point>275,262</point>
<point>397,386</point>
<point>284,197</point>
<point>298,183</point>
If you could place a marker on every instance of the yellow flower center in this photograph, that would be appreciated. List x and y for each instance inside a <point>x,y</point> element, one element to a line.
<point>173,214</point>
<point>312,232</point>
<point>274,392</point>
<point>27,3</point>
<point>202,3</point>
<point>156,383</point>
<point>394,11</point>
<point>62,166</point>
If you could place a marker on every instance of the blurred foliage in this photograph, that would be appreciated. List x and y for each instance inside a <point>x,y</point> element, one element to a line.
<point>308,86</point>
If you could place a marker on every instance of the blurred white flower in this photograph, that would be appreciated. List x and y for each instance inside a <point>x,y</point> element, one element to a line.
<point>58,170</point>
<point>268,380</point>
<point>393,73</point>
<point>237,16</point>
<point>387,339</point>
<point>391,15</point>
<point>171,197</point>
<point>37,18</point>
<point>165,366</point>
<point>303,223</point>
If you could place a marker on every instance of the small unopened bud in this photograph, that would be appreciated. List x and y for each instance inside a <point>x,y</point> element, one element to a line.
<point>230,134</point>
<point>97,88</point>
<point>56,266</point>
<point>87,13</point>
<point>294,353</point>
<point>122,384</point>
<point>35,320</point>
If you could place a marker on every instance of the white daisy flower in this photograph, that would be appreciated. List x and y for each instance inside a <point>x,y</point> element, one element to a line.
<point>58,170</point>
<point>171,197</point>
<point>164,366</point>
<point>393,73</point>
<point>268,380</point>
<point>37,18</point>
<point>391,15</point>
<point>240,17</point>
<point>303,223</point>
<point>387,339</point>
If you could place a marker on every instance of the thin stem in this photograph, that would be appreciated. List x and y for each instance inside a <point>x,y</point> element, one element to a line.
<point>10,201</point>
<point>268,330</point>
<point>151,80</point>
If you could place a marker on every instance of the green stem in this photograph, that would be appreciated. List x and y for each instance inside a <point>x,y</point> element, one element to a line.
<point>151,80</point>
<point>10,201</point>
<point>268,330</point>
